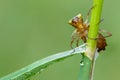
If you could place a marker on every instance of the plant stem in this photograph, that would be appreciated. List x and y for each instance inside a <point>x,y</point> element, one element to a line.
<point>94,27</point>
<point>86,70</point>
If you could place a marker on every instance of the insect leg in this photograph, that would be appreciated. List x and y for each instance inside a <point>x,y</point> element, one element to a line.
<point>104,31</point>
<point>77,43</point>
<point>75,35</point>
<point>72,42</point>
<point>88,14</point>
<point>73,38</point>
<point>108,33</point>
<point>101,30</point>
<point>100,21</point>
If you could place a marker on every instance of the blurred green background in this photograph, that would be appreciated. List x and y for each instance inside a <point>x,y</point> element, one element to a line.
<point>33,29</point>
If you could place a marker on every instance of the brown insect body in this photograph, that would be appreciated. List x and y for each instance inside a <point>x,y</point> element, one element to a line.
<point>101,42</point>
<point>81,32</point>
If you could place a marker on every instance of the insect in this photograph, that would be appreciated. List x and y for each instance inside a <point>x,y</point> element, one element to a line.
<point>81,32</point>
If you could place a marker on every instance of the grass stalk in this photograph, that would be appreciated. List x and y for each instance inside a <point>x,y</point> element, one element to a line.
<point>86,69</point>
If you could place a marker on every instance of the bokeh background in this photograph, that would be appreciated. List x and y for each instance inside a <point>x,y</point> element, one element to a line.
<point>33,29</point>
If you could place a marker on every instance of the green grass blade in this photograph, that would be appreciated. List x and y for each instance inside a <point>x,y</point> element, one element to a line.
<point>39,65</point>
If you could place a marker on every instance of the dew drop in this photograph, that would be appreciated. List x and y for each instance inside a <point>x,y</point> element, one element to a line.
<point>81,63</point>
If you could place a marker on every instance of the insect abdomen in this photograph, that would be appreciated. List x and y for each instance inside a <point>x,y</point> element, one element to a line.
<point>101,42</point>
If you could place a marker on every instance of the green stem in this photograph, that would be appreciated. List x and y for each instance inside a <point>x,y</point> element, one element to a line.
<point>86,69</point>
<point>94,27</point>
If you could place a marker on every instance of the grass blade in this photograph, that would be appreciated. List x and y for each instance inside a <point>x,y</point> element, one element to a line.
<point>39,65</point>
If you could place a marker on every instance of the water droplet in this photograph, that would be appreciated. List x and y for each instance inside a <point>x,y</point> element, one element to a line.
<point>81,63</point>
